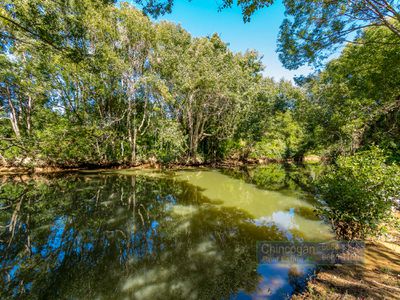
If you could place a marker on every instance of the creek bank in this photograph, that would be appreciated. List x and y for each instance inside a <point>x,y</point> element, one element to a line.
<point>57,168</point>
<point>377,278</point>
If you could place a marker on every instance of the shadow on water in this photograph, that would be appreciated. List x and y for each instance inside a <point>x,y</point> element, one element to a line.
<point>102,236</point>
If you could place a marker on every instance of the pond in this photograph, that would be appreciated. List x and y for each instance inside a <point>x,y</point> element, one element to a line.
<point>187,234</point>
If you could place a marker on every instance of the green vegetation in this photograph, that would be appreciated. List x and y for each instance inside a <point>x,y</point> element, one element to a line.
<point>355,101</point>
<point>312,29</point>
<point>119,89</point>
<point>353,106</point>
<point>358,193</point>
<point>94,83</point>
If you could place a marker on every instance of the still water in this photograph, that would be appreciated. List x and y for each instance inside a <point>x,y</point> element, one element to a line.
<point>129,234</point>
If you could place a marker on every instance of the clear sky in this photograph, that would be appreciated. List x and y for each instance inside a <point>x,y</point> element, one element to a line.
<point>201,18</point>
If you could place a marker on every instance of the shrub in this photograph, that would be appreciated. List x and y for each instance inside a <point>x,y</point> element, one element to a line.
<point>66,144</point>
<point>357,194</point>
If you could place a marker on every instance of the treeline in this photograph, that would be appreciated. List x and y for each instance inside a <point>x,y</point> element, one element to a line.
<point>97,83</point>
<point>353,116</point>
<point>92,82</point>
<point>354,102</point>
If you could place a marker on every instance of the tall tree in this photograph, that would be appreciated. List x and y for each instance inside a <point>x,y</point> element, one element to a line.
<point>206,82</point>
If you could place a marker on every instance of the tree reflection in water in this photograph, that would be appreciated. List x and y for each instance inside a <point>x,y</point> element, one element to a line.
<point>125,237</point>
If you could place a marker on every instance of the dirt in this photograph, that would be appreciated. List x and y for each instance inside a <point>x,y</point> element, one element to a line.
<point>377,278</point>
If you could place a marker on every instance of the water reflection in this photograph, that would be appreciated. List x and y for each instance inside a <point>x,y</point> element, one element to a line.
<point>99,236</point>
<point>289,208</point>
<point>286,178</point>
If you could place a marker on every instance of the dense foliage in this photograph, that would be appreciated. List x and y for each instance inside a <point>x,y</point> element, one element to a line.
<point>358,193</point>
<point>97,83</point>
<point>355,101</point>
<point>352,105</point>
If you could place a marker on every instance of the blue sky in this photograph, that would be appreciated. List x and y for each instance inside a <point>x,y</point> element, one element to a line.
<point>201,18</point>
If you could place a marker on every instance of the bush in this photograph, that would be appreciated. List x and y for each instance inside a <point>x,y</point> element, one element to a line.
<point>358,193</point>
<point>66,144</point>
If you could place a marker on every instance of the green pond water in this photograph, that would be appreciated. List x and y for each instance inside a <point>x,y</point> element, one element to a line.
<point>189,234</point>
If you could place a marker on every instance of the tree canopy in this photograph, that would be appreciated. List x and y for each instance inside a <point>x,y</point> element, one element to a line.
<point>354,102</point>
<point>312,29</point>
<point>105,85</point>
